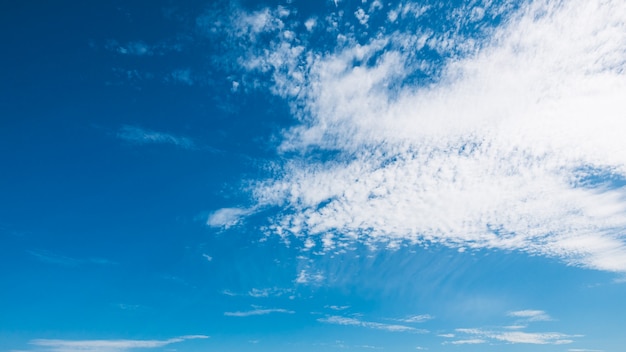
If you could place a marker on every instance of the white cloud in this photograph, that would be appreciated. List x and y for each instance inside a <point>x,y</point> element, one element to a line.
<point>416,318</point>
<point>467,342</point>
<point>106,345</point>
<point>308,244</point>
<point>310,24</point>
<point>258,311</point>
<point>530,315</point>
<point>339,320</point>
<point>143,136</point>
<point>511,148</point>
<point>537,338</point>
<point>305,277</point>
<point>362,16</point>
<point>515,327</point>
<point>227,217</point>
<point>268,292</point>
<point>207,257</point>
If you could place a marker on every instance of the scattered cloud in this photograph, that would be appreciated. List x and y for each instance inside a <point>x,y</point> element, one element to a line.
<point>140,135</point>
<point>515,143</point>
<point>258,311</point>
<point>305,277</point>
<point>207,257</point>
<point>106,345</point>
<point>339,320</point>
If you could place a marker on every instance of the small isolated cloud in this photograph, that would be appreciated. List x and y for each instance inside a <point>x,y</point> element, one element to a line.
<point>207,257</point>
<point>334,307</point>
<point>106,345</point>
<point>530,315</point>
<point>339,320</point>
<point>140,135</point>
<point>258,311</point>
<point>227,217</point>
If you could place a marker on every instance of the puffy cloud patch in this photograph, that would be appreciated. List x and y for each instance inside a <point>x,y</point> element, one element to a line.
<point>516,143</point>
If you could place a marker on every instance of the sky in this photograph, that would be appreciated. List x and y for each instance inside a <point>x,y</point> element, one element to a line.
<point>215,175</point>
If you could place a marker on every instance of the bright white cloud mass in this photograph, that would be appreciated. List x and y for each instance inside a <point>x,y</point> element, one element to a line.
<point>516,144</point>
<point>299,175</point>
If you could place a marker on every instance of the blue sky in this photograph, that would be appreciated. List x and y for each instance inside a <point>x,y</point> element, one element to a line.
<point>313,176</point>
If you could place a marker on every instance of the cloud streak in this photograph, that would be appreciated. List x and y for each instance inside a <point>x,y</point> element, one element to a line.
<point>339,320</point>
<point>140,135</point>
<point>530,315</point>
<point>106,345</point>
<point>258,312</point>
<point>535,338</point>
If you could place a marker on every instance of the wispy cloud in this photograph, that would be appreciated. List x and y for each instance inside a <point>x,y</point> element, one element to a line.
<point>58,259</point>
<point>339,320</point>
<point>106,345</point>
<point>268,292</point>
<point>467,342</point>
<point>513,146</point>
<point>537,338</point>
<point>227,217</point>
<point>140,135</point>
<point>530,315</point>
<point>416,318</point>
<point>258,311</point>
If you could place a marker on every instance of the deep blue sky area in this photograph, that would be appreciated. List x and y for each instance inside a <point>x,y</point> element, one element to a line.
<point>312,176</point>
